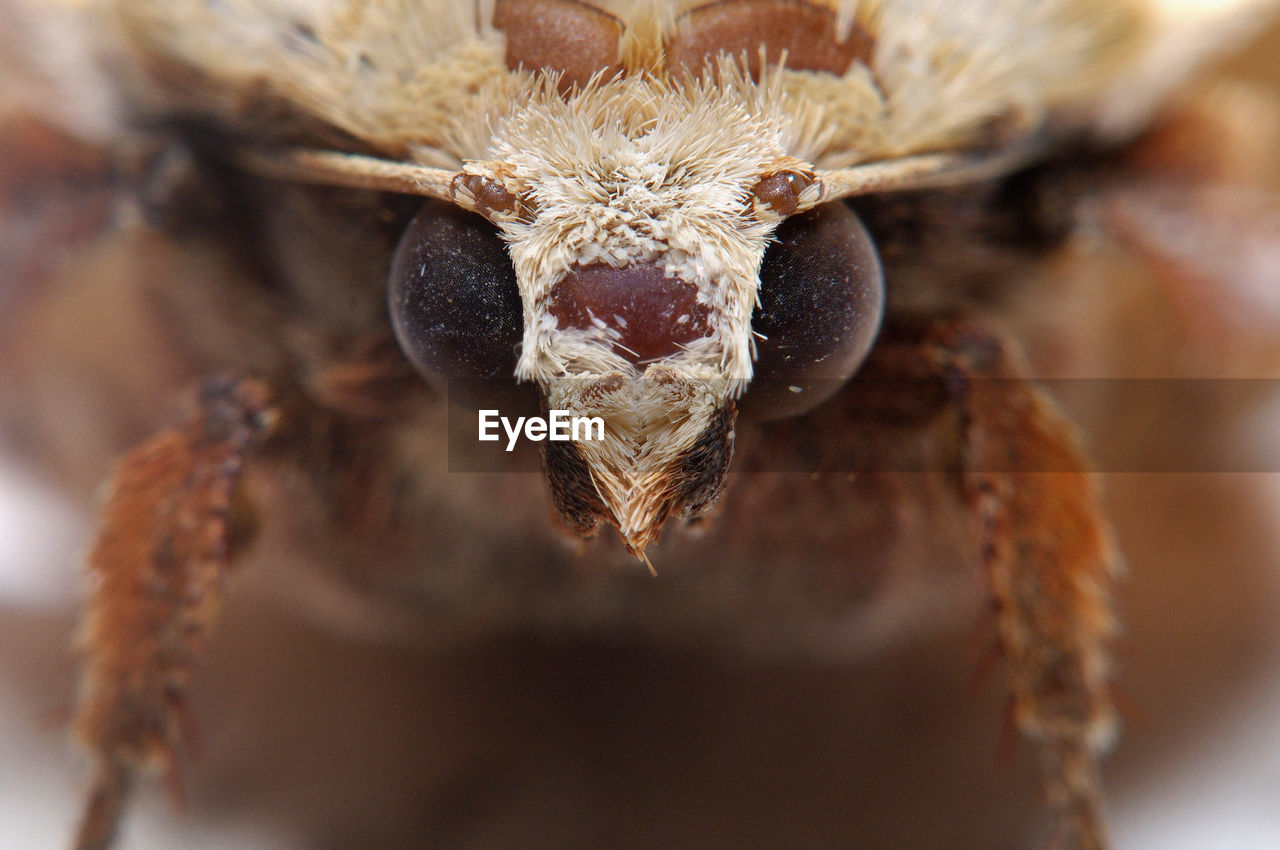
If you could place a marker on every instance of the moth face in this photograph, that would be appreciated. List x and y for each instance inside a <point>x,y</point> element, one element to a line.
<point>636,220</point>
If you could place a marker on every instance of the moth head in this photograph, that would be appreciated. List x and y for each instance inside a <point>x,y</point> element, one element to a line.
<point>636,230</point>
<point>645,252</point>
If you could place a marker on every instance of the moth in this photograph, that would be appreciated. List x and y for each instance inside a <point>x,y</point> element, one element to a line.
<point>777,236</point>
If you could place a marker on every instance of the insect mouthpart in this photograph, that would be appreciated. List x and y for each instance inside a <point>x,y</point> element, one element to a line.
<point>669,441</point>
<point>641,350</point>
<point>670,408</point>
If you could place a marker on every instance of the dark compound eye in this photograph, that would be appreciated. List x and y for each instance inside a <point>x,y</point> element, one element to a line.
<point>821,301</point>
<point>454,302</point>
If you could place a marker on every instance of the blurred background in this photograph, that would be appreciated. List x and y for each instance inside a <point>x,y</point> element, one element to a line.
<point>314,741</point>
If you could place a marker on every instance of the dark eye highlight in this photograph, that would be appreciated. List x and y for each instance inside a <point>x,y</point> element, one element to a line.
<point>821,301</point>
<point>453,297</point>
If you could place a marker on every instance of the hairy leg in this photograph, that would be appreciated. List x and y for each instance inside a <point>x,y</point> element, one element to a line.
<point>1045,550</point>
<point>157,568</point>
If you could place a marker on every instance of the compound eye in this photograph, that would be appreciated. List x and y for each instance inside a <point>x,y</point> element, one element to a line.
<point>821,301</point>
<point>453,297</point>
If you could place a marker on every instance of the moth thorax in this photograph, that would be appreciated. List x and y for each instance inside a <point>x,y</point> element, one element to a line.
<point>645,313</point>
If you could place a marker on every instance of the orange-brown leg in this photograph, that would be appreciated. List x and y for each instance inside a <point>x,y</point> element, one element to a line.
<point>157,568</point>
<point>1046,552</point>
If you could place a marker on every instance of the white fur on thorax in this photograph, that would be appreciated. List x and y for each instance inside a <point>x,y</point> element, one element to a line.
<point>636,169</point>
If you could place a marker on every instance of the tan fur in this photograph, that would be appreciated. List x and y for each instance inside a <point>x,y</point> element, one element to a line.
<point>428,75</point>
